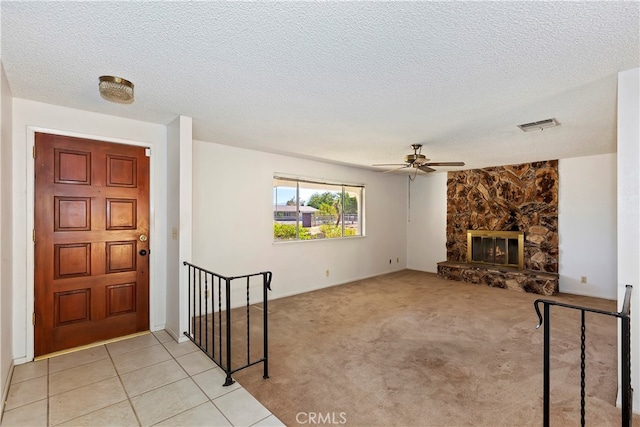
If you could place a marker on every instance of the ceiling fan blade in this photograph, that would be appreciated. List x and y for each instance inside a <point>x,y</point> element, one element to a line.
<point>397,169</point>
<point>389,164</point>
<point>445,164</point>
<point>425,168</point>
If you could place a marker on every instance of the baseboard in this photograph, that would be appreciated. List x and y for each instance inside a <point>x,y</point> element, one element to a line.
<point>5,389</point>
<point>410,267</point>
<point>587,294</point>
<point>178,337</point>
<point>344,282</point>
<point>157,328</point>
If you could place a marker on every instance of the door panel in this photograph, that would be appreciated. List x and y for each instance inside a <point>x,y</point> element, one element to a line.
<point>91,209</point>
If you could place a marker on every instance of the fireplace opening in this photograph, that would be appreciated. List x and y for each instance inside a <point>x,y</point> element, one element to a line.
<point>499,248</point>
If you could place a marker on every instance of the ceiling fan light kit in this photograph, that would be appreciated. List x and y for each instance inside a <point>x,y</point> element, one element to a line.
<point>116,89</point>
<point>539,125</point>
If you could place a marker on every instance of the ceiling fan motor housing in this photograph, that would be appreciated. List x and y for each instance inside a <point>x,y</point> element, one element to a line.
<point>415,158</point>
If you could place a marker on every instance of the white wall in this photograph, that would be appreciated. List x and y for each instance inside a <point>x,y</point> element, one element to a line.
<point>233,221</point>
<point>6,217</point>
<point>629,209</point>
<point>29,116</point>
<point>179,230</point>
<point>587,225</point>
<point>427,227</point>
<point>173,222</point>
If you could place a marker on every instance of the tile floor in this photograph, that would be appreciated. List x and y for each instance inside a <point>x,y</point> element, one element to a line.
<point>142,381</point>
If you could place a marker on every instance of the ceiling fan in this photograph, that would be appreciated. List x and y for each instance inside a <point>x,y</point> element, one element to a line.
<point>418,161</point>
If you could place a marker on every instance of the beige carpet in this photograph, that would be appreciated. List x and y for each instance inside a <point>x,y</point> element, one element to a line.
<point>412,349</point>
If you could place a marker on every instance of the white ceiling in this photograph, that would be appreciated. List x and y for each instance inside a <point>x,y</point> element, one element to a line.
<point>347,82</point>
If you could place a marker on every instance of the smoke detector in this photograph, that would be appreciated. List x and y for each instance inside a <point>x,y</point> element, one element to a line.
<point>541,125</point>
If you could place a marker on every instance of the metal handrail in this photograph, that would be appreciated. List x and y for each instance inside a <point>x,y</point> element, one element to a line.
<point>625,316</point>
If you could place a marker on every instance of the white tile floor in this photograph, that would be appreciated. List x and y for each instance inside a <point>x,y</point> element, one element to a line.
<point>142,381</point>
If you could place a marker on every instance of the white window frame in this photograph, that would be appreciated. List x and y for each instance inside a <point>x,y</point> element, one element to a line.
<point>298,180</point>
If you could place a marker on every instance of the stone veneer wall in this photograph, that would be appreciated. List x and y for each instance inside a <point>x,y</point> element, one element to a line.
<point>507,198</point>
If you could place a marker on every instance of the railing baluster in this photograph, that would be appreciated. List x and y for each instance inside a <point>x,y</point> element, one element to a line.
<point>193,275</point>
<point>220,318</point>
<point>248,326</point>
<point>206,312</point>
<point>200,306</point>
<point>189,297</point>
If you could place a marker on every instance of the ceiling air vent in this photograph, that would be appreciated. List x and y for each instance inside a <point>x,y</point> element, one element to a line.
<point>541,125</point>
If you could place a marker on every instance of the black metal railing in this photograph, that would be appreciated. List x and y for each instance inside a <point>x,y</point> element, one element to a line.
<point>625,318</point>
<point>211,324</point>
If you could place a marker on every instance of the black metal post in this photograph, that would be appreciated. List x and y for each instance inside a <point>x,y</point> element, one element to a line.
<point>192,278</point>
<point>189,296</point>
<point>228,380</point>
<point>248,326</point>
<point>627,392</point>
<point>546,366</point>
<point>266,281</point>
<point>582,368</point>
<point>206,312</point>
<point>199,306</point>
<point>220,319</point>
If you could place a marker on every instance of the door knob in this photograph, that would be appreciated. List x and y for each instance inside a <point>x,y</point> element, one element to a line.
<point>143,238</point>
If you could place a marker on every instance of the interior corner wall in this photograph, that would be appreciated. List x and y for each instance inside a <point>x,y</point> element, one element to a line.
<point>233,221</point>
<point>427,222</point>
<point>587,225</point>
<point>6,250</point>
<point>173,223</point>
<point>29,116</point>
<point>629,210</point>
<point>179,221</point>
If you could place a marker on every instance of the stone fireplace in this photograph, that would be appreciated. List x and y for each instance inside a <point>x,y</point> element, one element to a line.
<point>502,227</point>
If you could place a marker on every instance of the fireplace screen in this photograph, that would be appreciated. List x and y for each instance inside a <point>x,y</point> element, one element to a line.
<point>500,248</point>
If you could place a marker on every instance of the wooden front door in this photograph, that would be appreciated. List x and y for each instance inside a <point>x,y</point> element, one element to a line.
<point>91,246</point>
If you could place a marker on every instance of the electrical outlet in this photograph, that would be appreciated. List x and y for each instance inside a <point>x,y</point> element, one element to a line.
<point>583,279</point>
<point>397,260</point>
<point>327,273</point>
<point>174,233</point>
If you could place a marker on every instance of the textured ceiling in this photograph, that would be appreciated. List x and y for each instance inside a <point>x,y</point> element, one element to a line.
<point>348,82</point>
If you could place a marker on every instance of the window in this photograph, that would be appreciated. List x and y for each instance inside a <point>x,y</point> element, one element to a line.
<point>304,209</point>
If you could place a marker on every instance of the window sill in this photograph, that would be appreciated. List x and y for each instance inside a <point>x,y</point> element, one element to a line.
<point>281,242</point>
